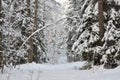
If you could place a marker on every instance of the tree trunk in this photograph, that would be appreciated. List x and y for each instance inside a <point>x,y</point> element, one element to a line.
<point>34,28</point>
<point>36,11</point>
<point>101,20</point>
<point>0,7</point>
<point>30,50</point>
<point>44,13</point>
<point>1,48</point>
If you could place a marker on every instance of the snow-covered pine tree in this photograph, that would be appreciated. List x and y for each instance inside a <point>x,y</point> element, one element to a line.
<point>45,16</point>
<point>78,17</point>
<point>31,22</point>
<point>18,21</point>
<point>12,38</point>
<point>73,22</point>
<point>84,39</point>
<point>16,27</point>
<point>112,32</point>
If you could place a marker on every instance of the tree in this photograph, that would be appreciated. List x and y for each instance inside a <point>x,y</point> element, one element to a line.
<point>36,12</point>
<point>1,48</point>
<point>30,50</point>
<point>44,5</point>
<point>80,27</point>
<point>72,25</point>
<point>111,35</point>
<point>95,33</point>
<point>101,20</point>
<point>19,19</point>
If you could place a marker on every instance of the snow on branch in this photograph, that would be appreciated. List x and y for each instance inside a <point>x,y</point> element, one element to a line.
<point>44,28</point>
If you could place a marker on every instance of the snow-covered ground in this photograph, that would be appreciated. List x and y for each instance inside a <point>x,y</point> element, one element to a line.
<point>68,71</point>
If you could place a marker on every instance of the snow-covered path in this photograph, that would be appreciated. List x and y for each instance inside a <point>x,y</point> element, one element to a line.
<point>68,71</point>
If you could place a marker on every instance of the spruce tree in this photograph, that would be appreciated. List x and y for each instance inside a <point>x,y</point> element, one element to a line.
<point>96,32</point>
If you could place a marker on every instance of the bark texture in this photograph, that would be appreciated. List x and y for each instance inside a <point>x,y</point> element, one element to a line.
<point>1,48</point>
<point>30,50</point>
<point>101,20</point>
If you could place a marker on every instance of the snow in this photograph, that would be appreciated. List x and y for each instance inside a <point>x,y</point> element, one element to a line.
<point>63,71</point>
<point>54,35</point>
<point>69,71</point>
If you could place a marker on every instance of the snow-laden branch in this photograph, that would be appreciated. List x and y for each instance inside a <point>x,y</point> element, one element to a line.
<point>85,5</point>
<point>40,30</point>
<point>44,28</point>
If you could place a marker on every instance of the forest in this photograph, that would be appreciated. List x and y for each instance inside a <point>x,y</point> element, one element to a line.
<point>45,39</point>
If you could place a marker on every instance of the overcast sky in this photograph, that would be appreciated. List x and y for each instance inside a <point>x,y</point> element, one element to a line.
<point>60,1</point>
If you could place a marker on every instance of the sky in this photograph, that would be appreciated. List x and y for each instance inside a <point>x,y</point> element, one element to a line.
<point>61,1</point>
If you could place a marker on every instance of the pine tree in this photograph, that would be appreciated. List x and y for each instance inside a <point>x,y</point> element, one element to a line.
<point>96,32</point>
<point>111,35</point>
<point>20,19</point>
